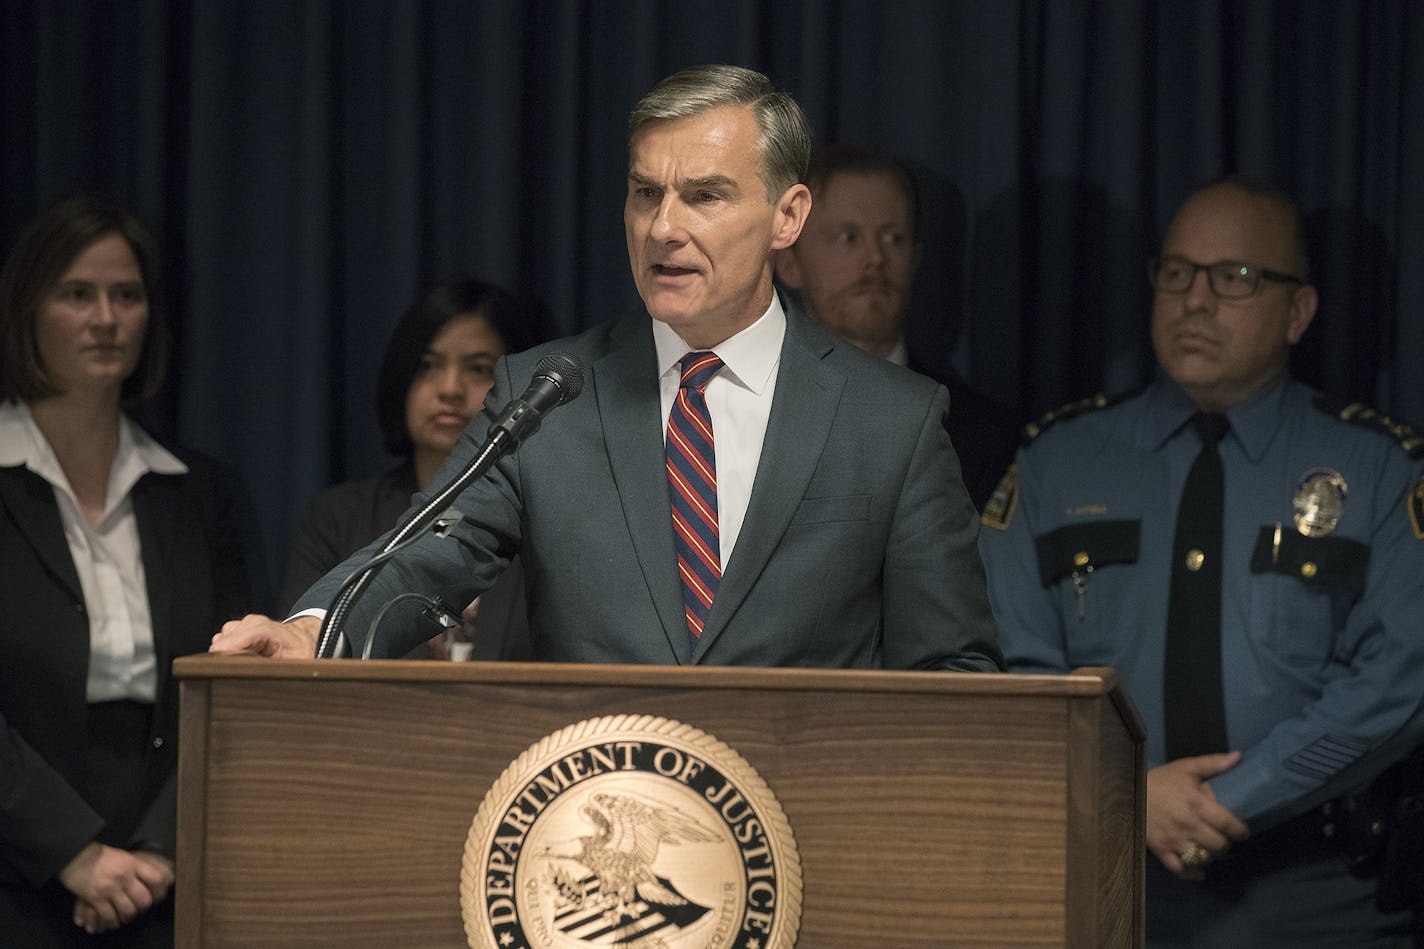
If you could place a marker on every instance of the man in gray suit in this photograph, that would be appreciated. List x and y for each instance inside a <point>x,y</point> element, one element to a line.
<point>734,486</point>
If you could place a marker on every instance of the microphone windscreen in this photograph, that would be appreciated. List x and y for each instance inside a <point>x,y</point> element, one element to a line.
<point>566,372</point>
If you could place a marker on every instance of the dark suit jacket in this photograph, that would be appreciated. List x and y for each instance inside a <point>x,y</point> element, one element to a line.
<point>190,531</point>
<point>858,548</point>
<point>346,517</point>
<point>985,433</point>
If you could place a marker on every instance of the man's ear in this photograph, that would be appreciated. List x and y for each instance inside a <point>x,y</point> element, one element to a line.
<point>791,210</point>
<point>788,268</point>
<point>1302,310</point>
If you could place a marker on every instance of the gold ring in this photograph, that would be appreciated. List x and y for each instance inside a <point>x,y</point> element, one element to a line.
<point>1195,856</point>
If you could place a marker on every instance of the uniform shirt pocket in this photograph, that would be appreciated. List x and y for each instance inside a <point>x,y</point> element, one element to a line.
<point>1304,591</point>
<point>1086,546</point>
<point>1089,566</point>
<point>1335,565</point>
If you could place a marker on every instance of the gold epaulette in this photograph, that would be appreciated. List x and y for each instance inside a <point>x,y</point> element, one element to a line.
<point>1359,414</point>
<point>1046,421</point>
<point>999,511</point>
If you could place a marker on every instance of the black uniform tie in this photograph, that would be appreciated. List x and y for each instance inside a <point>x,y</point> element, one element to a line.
<point>1194,709</point>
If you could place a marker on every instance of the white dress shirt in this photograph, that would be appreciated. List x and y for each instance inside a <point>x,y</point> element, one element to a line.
<point>107,555</point>
<point>739,401</point>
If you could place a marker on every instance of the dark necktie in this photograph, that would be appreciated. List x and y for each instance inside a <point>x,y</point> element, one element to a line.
<point>692,488</point>
<point>1194,709</point>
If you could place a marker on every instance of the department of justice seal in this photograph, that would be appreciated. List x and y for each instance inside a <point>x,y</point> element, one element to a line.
<point>1319,501</point>
<point>632,831</point>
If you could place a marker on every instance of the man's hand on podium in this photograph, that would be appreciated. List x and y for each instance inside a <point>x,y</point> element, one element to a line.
<point>257,635</point>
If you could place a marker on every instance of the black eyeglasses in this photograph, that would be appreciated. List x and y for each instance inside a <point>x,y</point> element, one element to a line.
<point>1230,279</point>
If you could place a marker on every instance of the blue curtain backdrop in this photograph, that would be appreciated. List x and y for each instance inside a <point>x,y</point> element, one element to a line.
<point>310,166</point>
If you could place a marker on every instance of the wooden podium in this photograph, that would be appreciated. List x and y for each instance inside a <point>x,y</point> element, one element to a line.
<point>329,802</point>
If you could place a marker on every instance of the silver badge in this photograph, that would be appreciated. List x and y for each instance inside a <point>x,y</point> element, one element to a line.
<point>1319,501</point>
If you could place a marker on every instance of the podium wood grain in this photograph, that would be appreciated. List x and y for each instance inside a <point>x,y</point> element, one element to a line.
<point>328,803</point>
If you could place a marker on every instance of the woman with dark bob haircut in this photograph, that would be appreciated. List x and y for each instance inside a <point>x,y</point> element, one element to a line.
<point>117,553</point>
<point>34,269</point>
<point>437,370</point>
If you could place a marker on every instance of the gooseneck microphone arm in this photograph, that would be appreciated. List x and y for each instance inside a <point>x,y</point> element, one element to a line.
<point>331,640</point>
<point>558,378</point>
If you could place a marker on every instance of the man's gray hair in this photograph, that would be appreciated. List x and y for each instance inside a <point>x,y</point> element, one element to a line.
<point>784,136</point>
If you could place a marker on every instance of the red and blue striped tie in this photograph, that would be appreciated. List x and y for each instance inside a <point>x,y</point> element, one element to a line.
<point>692,488</point>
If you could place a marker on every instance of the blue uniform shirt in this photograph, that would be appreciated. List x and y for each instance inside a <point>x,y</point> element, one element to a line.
<point>1322,639</point>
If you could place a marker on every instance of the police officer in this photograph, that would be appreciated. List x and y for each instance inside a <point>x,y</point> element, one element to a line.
<point>1250,558</point>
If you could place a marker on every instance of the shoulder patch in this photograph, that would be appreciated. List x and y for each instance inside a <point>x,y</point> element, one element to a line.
<point>999,510</point>
<point>1361,415</point>
<point>1046,421</point>
<point>1415,503</point>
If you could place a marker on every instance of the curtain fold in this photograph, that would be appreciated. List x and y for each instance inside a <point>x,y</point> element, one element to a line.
<point>310,167</point>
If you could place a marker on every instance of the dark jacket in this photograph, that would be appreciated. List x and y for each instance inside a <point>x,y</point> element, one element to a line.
<point>190,532</point>
<point>346,517</point>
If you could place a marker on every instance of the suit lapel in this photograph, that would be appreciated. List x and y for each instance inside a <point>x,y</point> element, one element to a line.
<point>31,502</point>
<point>626,384</point>
<point>802,410</point>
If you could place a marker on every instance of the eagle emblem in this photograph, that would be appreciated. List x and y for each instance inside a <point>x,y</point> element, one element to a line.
<point>619,857</point>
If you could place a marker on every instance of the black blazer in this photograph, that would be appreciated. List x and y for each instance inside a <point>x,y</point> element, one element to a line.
<point>985,434</point>
<point>190,530</point>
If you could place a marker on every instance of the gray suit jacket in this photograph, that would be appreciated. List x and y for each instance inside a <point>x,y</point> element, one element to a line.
<point>858,549</point>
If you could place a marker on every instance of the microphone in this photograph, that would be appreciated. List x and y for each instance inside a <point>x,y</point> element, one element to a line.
<point>558,378</point>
